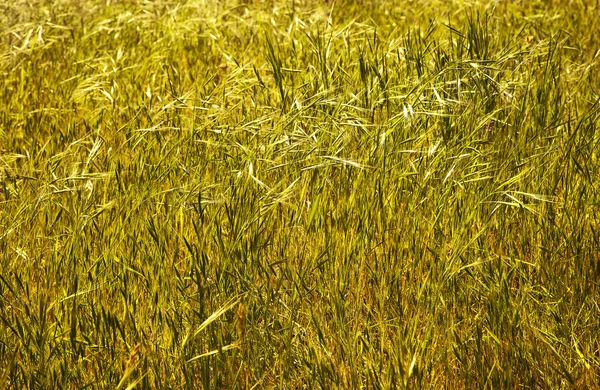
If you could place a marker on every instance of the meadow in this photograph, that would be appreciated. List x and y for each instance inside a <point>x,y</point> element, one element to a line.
<point>299,194</point>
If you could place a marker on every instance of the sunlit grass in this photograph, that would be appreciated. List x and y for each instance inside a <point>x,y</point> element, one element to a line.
<point>299,194</point>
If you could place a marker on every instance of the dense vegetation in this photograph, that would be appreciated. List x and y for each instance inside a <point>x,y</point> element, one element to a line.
<point>299,194</point>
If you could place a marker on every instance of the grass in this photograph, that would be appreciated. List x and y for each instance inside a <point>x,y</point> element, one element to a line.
<point>299,194</point>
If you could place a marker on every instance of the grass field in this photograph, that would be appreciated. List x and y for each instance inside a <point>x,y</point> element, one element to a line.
<point>299,194</point>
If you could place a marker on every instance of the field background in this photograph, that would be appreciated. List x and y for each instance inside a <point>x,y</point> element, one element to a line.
<point>299,194</point>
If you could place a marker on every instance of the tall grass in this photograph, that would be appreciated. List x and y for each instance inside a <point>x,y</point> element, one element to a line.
<point>299,194</point>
